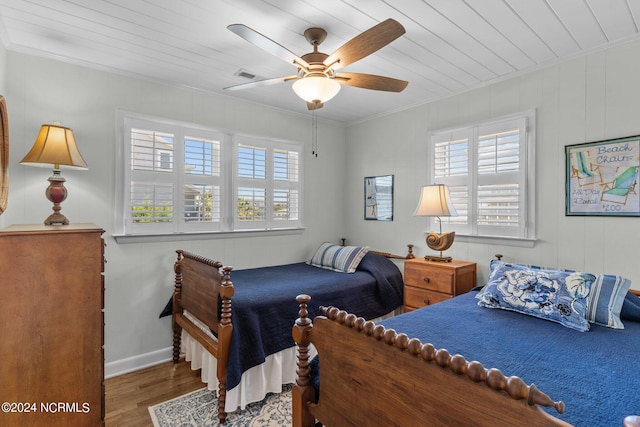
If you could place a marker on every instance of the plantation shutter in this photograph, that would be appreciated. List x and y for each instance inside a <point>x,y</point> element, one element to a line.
<point>202,184</point>
<point>451,167</point>
<point>175,178</point>
<point>487,169</point>
<point>286,195</point>
<point>251,188</point>
<point>501,179</point>
<point>152,175</point>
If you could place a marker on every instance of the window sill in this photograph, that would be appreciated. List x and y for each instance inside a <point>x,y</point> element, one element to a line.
<point>497,240</point>
<point>175,237</point>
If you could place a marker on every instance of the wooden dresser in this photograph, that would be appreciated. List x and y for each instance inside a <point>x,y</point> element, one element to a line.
<point>428,282</point>
<point>52,325</point>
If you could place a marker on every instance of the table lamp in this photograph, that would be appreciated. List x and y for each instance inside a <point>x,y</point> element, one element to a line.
<point>436,201</point>
<point>55,145</point>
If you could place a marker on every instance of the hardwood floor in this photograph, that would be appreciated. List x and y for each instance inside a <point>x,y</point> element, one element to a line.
<point>128,396</point>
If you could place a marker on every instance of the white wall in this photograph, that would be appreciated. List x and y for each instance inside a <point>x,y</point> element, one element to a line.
<point>586,99</point>
<point>139,277</point>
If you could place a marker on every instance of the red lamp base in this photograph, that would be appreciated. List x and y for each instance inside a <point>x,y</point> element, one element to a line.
<point>56,193</point>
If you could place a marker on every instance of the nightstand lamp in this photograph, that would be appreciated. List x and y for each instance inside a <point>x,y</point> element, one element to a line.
<point>55,145</point>
<point>436,201</point>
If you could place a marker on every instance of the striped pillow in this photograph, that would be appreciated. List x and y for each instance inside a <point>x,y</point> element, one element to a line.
<point>344,259</point>
<point>605,300</point>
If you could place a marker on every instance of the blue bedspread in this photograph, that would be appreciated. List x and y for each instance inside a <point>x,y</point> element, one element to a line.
<point>595,373</point>
<point>264,309</point>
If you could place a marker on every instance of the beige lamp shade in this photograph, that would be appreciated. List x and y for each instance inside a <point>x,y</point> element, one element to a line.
<point>55,145</point>
<point>435,201</point>
<point>316,88</point>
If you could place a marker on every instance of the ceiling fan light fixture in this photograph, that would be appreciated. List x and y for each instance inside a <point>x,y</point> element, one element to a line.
<point>316,88</point>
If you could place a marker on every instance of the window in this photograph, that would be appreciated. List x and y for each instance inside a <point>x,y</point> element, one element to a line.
<point>489,168</point>
<point>180,178</point>
<point>265,169</point>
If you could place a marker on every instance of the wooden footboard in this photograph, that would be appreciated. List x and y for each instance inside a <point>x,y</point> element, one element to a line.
<point>204,291</point>
<point>372,374</point>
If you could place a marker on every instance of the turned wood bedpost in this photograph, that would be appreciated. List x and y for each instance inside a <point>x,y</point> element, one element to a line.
<point>176,308</point>
<point>303,390</point>
<point>225,330</point>
<point>410,254</point>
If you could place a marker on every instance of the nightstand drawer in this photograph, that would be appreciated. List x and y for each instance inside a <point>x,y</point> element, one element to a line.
<point>414,297</point>
<point>434,279</point>
<point>427,282</point>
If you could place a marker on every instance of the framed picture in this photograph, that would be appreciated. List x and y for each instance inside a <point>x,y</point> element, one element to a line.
<point>602,177</point>
<point>378,198</point>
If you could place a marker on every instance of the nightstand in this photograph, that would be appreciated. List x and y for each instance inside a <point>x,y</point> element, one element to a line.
<point>428,282</point>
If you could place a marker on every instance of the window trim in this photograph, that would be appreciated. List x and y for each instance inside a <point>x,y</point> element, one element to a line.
<point>195,231</point>
<point>467,234</point>
<point>200,235</point>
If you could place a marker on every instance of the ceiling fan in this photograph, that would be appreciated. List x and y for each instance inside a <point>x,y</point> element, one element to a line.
<point>317,80</point>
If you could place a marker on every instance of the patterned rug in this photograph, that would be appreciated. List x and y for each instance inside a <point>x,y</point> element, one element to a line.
<point>200,409</point>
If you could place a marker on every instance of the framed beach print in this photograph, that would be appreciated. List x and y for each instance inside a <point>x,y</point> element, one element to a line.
<point>602,177</point>
<point>378,198</point>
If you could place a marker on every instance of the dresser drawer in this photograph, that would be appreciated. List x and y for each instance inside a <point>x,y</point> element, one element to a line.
<point>416,297</point>
<point>434,279</point>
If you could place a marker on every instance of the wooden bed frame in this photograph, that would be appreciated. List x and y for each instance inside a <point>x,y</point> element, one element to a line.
<point>203,288</point>
<point>425,385</point>
<point>208,298</point>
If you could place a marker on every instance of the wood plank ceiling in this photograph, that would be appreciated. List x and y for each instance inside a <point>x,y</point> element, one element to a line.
<point>450,45</point>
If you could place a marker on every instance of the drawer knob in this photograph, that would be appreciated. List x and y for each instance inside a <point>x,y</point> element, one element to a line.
<point>426,279</point>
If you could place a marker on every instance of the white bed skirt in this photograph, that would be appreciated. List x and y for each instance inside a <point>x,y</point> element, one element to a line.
<point>255,383</point>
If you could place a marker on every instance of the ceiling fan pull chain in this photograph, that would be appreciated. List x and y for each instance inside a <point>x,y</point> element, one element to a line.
<point>314,134</point>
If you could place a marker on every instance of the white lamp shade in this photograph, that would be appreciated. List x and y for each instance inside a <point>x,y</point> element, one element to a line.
<point>316,88</point>
<point>435,201</point>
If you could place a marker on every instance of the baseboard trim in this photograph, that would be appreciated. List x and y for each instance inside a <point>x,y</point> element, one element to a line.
<point>135,363</point>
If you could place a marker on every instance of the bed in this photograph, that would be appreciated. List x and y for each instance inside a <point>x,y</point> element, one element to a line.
<point>236,325</point>
<point>553,375</point>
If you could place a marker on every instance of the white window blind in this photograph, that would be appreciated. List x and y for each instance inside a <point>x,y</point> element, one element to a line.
<point>177,178</point>
<point>151,150</point>
<point>202,186</point>
<point>151,203</point>
<point>267,185</point>
<point>489,168</point>
<point>286,192</point>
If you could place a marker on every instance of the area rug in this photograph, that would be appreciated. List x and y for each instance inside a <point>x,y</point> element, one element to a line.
<point>200,409</point>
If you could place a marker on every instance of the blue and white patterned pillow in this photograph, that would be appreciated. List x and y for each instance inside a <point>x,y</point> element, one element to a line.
<point>555,295</point>
<point>605,300</point>
<point>344,259</point>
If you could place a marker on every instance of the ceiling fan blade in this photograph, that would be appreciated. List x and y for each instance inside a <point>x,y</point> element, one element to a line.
<point>365,44</point>
<point>265,43</point>
<point>371,81</point>
<point>257,83</point>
